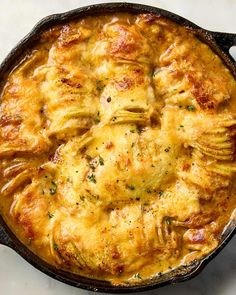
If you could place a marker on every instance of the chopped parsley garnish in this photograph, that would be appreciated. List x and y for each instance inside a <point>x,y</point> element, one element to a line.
<point>55,246</point>
<point>50,215</point>
<point>131,187</point>
<point>132,145</point>
<point>92,178</point>
<point>97,120</point>
<point>161,193</point>
<point>101,161</point>
<point>68,179</point>
<point>190,108</point>
<point>82,198</point>
<point>138,130</point>
<point>53,189</point>
<point>181,126</point>
<point>137,276</point>
<point>100,85</point>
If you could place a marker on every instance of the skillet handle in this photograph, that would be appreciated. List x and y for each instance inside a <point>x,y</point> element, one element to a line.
<point>4,237</point>
<point>224,40</point>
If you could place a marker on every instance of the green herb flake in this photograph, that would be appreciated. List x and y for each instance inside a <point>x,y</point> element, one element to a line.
<point>53,189</point>
<point>137,276</point>
<point>68,179</point>
<point>101,161</point>
<point>181,126</point>
<point>97,120</point>
<point>138,130</point>
<point>100,85</point>
<point>160,193</point>
<point>190,108</point>
<point>132,145</point>
<point>131,187</point>
<point>50,215</point>
<point>92,178</point>
<point>55,246</point>
<point>82,198</point>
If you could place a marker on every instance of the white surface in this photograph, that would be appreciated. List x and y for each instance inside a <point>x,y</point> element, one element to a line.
<point>17,17</point>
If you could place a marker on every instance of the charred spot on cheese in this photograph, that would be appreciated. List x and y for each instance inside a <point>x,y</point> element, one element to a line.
<point>117,147</point>
<point>71,83</point>
<point>124,84</point>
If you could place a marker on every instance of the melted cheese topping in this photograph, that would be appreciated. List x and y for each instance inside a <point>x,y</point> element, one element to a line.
<point>117,147</point>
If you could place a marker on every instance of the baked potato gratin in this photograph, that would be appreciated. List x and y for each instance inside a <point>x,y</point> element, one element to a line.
<point>117,146</point>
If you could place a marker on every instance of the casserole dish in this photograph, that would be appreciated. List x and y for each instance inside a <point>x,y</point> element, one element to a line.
<point>211,38</point>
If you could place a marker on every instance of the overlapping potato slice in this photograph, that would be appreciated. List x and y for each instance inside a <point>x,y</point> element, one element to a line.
<point>21,120</point>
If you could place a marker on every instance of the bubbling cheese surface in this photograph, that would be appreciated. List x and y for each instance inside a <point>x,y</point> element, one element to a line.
<point>117,147</point>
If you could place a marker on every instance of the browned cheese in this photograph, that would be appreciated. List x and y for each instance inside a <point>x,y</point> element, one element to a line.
<point>117,147</point>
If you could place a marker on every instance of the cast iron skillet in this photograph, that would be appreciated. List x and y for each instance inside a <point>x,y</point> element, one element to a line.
<point>219,42</point>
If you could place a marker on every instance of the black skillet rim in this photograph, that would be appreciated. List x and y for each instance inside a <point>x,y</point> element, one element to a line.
<point>7,237</point>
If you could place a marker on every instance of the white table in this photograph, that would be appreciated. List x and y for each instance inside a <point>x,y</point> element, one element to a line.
<point>17,17</point>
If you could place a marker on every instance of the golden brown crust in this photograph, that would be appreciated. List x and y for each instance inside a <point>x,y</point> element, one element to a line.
<point>117,146</point>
